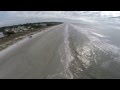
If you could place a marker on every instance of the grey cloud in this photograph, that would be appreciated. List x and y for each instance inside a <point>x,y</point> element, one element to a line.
<point>16,17</point>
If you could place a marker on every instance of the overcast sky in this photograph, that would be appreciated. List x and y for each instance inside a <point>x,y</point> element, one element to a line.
<point>17,17</point>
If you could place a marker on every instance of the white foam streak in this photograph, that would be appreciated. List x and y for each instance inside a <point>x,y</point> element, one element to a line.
<point>99,35</point>
<point>66,58</point>
<point>68,55</point>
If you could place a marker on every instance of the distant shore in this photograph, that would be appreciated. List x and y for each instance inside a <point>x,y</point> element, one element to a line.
<point>7,41</point>
<point>10,40</point>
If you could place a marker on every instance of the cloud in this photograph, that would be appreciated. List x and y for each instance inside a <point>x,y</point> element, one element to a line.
<point>61,14</point>
<point>34,14</point>
<point>16,17</point>
<point>110,13</point>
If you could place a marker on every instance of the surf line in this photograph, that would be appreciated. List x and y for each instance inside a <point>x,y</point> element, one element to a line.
<point>68,55</point>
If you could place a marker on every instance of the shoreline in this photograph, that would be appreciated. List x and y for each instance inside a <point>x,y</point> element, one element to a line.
<point>7,41</point>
